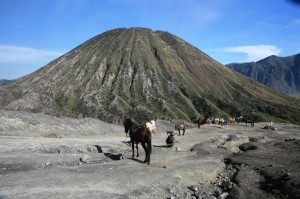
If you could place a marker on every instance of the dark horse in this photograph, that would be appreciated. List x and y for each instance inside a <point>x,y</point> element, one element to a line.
<point>181,126</point>
<point>248,119</point>
<point>139,133</point>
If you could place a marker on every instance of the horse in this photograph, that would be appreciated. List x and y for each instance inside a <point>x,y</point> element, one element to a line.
<point>231,120</point>
<point>248,120</point>
<point>181,126</point>
<point>139,133</point>
<point>221,121</point>
<point>216,120</point>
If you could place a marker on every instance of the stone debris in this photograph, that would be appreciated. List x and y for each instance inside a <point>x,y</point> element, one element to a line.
<point>86,159</point>
<point>193,188</point>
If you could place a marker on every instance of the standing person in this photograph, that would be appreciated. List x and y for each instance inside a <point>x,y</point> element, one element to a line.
<point>199,122</point>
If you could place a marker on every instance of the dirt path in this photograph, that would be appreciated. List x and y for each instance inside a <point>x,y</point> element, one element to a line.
<point>34,167</point>
<point>39,167</point>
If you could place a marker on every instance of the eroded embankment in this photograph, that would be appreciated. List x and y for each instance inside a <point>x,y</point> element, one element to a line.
<point>264,170</point>
<point>259,167</point>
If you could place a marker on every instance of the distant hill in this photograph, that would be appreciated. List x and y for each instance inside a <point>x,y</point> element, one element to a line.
<point>280,73</point>
<point>4,82</point>
<point>144,74</point>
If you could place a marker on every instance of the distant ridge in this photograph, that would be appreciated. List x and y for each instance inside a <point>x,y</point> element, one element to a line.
<point>280,73</point>
<point>4,82</point>
<point>144,74</point>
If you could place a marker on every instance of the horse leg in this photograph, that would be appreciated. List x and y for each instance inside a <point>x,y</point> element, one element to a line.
<point>132,145</point>
<point>146,151</point>
<point>179,132</point>
<point>137,149</point>
<point>149,144</point>
<point>183,132</point>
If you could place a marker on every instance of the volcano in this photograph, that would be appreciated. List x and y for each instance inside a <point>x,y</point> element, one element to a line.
<point>143,74</point>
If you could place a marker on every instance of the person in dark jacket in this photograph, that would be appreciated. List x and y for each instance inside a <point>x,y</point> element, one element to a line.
<point>199,122</point>
<point>171,139</point>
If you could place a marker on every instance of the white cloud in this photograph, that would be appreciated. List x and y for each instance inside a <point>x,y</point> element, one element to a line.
<point>255,53</point>
<point>19,54</point>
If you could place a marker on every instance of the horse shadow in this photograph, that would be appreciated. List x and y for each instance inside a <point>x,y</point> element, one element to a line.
<point>114,156</point>
<point>110,155</point>
<point>137,160</point>
<point>128,143</point>
<point>162,146</point>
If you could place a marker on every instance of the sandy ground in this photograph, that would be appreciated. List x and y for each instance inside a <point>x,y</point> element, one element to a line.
<point>44,157</point>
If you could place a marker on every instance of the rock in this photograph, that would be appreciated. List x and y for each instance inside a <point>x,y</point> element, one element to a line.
<point>187,195</point>
<point>197,194</point>
<point>178,149</point>
<point>86,159</point>
<point>193,188</point>
<point>121,156</point>
<point>226,184</point>
<point>172,190</point>
<point>292,187</point>
<point>223,195</point>
<point>237,193</point>
<point>249,146</point>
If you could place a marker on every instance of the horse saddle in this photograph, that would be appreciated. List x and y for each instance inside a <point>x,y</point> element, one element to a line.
<point>134,129</point>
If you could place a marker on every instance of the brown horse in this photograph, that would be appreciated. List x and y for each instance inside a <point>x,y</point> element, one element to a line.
<point>181,126</point>
<point>231,120</point>
<point>139,133</point>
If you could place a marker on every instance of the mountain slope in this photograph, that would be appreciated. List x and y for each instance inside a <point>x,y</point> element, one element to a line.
<point>143,74</point>
<point>280,73</point>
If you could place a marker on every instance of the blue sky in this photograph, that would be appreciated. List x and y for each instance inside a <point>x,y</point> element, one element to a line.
<point>35,32</point>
